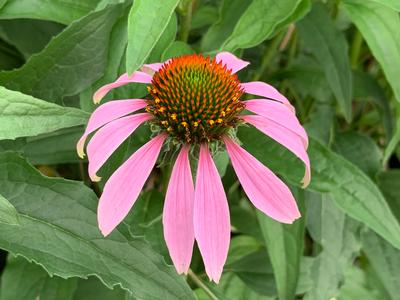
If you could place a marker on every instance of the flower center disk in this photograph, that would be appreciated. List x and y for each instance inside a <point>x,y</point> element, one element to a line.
<point>195,99</point>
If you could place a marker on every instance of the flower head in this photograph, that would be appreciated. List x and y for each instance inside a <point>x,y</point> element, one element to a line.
<point>195,101</point>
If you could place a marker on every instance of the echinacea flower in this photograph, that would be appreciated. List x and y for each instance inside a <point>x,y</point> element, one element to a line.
<point>194,101</point>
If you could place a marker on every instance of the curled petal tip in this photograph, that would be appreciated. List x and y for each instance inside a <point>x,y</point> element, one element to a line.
<point>80,147</point>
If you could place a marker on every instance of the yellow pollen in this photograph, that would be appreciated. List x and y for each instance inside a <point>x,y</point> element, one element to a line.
<point>173,116</point>
<point>157,100</point>
<point>148,109</point>
<point>169,129</point>
<point>223,113</point>
<point>195,124</point>
<point>184,124</point>
<point>162,109</point>
<point>219,121</point>
<point>149,89</point>
<point>211,122</point>
<point>228,109</point>
<point>165,123</point>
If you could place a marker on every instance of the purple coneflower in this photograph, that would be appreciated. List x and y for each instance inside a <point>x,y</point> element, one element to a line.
<point>194,101</point>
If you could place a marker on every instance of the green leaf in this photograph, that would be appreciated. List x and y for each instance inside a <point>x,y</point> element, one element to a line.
<point>393,142</point>
<point>70,62</point>
<point>329,47</point>
<point>205,15</point>
<point>165,41</point>
<point>285,243</point>
<point>22,280</point>
<point>361,150</point>
<point>93,289</point>
<point>385,261</point>
<point>23,115</point>
<point>65,213</point>
<point>229,13</point>
<point>336,233</point>
<point>379,26</point>
<point>351,189</point>
<point>259,21</point>
<point>177,48</point>
<point>8,214</point>
<point>61,11</point>
<point>146,23</point>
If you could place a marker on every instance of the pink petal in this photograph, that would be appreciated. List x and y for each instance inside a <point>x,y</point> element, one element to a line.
<point>211,216</point>
<point>264,189</point>
<point>279,113</point>
<point>285,137</point>
<point>109,138</point>
<point>151,68</point>
<point>124,79</point>
<point>124,186</point>
<point>106,113</point>
<point>178,213</point>
<point>231,61</point>
<point>263,89</point>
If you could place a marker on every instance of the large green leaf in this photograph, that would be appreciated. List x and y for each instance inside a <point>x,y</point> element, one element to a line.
<point>329,47</point>
<point>285,248</point>
<point>22,280</point>
<point>61,11</point>
<point>23,115</point>
<point>147,21</point>
<point>259,21</point>
<point>59,231</point>
<point>379,26</point>
<point>351,189</point>
<point>336,233</point>
<point>70,62</point>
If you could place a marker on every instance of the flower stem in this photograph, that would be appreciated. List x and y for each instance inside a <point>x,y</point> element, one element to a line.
<point>185,17</point>
<point>356,48</point>
<point>201,285</point>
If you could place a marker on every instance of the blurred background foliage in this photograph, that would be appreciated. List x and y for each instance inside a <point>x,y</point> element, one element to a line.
<point>338,61</point>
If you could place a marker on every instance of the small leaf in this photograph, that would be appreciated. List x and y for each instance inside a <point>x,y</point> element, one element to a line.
<point>64,212</point>
<point>379,26</point>
<point>8,214</point>
<point>329,47</point>
<point>146,23</point>
<point>394,4</point>
<point>23,115</point>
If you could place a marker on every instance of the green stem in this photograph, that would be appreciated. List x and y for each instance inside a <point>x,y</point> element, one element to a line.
<point>185,17</point>
<point>356,49</point>
<point>201,285</point>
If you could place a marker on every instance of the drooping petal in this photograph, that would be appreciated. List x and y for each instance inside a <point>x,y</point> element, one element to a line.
<point>285,137</point>
<point>109,138</point>
<point>124,186</point>
<point>178,213</point>
<point>263,89</point>
<point>211,216</point>
<point>124,79</point>
<point>278,113</point>
<point>264,189</point>
<point>231,61</point>
<point>106,113</point>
